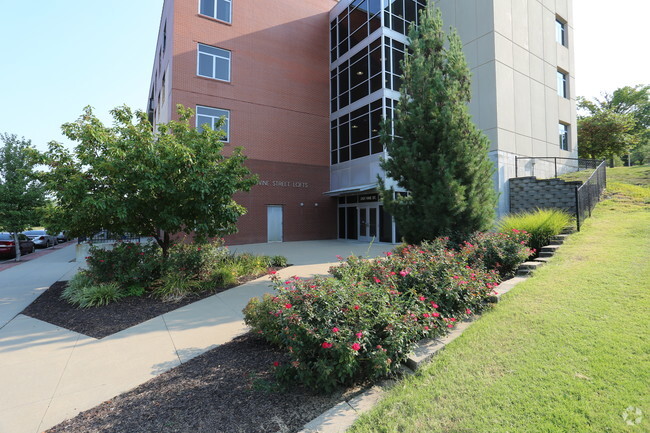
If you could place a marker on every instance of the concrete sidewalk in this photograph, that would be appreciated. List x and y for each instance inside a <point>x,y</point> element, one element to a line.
<point>25,281</point>
<point>49,374</point>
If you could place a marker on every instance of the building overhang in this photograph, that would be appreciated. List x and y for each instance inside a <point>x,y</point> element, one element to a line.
<point>350,190</point>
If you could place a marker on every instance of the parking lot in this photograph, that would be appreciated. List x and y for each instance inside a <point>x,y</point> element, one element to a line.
<point>6,263</point>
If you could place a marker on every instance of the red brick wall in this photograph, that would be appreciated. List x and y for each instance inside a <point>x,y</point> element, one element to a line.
<point>288,185</point>
<point>278,99</point>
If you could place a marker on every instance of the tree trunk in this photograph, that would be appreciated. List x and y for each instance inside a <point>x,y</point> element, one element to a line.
<point>165,246</point>
<point>17,241</point>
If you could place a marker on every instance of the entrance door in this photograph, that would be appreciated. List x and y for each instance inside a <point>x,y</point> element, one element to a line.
<point>274,223</point>
<point>368,216</point>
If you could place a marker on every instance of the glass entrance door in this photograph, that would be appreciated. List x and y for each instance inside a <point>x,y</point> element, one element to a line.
<point>368,222</point>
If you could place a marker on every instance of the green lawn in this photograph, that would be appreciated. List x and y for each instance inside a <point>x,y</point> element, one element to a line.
<point>566,351</point>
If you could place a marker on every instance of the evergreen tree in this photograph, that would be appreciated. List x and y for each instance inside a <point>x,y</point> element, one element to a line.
<point>435,151</point>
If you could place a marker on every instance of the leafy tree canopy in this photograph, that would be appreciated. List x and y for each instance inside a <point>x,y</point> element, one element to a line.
<point>20,191</point>
<point>130,178</point>
<point>633,104</point>
<point>435,151</point>
<point>605,134</point>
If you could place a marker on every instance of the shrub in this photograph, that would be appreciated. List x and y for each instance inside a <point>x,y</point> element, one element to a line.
<point>337,333</point>
<point>83,292</point>
<point>542,225</point>
<point>248,264</point>
<point>195,261</point>
<point>126,264</point>
<point>502,252</point>
<point>278,261</point>
<point>362,323</point>
<point>174,287</point>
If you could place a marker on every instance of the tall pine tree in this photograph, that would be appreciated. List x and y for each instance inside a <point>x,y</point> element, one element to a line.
<point>435,152</point>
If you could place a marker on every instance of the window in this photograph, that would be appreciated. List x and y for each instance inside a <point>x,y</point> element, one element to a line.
<point>213,62</point>
<point>564,136</point>
<point>562,87</point>
<point>218,9</point>
<point>211,117</point>
<point>164,41</point>
<point>560,32</point>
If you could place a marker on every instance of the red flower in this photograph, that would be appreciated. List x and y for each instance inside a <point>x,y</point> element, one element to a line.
<point>356,346</point>
<point>356,307</point>
<point>198,249</point>
<point>468,311</point>
<point>287,306</point>
<point>434,305</point>
<point>450,326</point>
<point>335,330</point>
<point>326,345</point>
<point>377,280</point>
<point>359,334</point>
<point>422,298</point>
<point>272,272</point>
<point>453,319</point>
<point>426,328</point>
<point>436,314</point>
<point>425,315</point>
<point>403,273</point>
<point>276,364</point>
<point>388,254</point>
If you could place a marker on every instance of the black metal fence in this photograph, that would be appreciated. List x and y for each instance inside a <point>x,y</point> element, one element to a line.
<point>105,236</point>
<point>551,166</point>
<point>588,194</point>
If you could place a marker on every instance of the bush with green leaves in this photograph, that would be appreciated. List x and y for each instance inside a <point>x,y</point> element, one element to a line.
<point>195,261</point>
<point>361,323</point>
<point>502,252</point>
<point>541,224</point>
<point>133,269</point>
<point>126,264</point>
<point>338,333</point>
<point>83,292</point>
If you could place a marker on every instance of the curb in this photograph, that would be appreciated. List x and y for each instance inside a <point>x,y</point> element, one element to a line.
<point>340,418</point>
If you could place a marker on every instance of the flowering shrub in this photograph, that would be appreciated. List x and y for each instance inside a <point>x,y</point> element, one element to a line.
<point>363,322</point>
<point>338,333</point>
<point>503,252</point>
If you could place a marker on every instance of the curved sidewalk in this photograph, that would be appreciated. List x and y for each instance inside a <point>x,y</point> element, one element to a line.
<point>49,374</point>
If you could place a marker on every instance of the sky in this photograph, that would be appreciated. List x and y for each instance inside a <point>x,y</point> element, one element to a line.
<point>62,55</point>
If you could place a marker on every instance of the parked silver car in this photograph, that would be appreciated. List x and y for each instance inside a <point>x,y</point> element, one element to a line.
<point>41,238</point>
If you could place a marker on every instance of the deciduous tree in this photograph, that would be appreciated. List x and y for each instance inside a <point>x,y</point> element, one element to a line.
<point>130,178</point>
<point>20,191</point>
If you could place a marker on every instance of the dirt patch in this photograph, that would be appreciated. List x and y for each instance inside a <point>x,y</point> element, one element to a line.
<point>228,389</point>
<point>100,322</point>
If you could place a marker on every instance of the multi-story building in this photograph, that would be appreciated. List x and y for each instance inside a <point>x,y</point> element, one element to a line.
<point>266,68</point>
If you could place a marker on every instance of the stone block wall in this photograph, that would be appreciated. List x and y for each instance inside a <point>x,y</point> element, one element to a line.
<point>530,193</point>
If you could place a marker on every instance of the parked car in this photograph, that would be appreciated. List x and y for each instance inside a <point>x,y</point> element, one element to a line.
<point>41,238</point>
<point>8,245</point>
<point>62,237</point>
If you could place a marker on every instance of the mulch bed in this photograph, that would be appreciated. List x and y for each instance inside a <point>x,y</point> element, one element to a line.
<point>99,322</point>
<point>228,389</point>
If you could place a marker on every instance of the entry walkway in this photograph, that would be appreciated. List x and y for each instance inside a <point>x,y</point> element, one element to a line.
<point>49,374</point>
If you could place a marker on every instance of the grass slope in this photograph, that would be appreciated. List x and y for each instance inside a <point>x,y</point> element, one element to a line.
<point>566,351</point>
